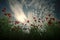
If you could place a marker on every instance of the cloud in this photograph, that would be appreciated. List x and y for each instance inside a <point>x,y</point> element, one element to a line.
<point>17,9</point>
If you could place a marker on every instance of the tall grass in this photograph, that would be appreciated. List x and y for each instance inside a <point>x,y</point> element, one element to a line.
<point>51,32</point>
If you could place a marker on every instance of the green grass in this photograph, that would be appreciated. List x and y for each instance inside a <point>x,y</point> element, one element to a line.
<point>52,32</point>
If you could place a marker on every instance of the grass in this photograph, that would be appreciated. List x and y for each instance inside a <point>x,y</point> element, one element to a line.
<point>52,32</point>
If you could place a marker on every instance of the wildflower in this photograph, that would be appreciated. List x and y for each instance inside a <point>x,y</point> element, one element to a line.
<point>5,14</point>
<point>17,22</point>
<point>49,22</point>
<point>31,24</point>
<point>34,18</point>
<point>46,18</point>
<point>18,27</point>
<point>4,10</point>
<point>24,28</point>
<point>14,28</point>
<point>38,21</point>
<point>9,15</point>
<point>28,28</point>
<point>25,24</point>
<point>59,21</point>
<point>52,19</point>
<point>49,15</point>
<point>27,21</point>
<point>40,25</point>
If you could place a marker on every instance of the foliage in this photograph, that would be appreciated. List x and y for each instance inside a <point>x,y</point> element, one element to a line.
<point>52,32</point>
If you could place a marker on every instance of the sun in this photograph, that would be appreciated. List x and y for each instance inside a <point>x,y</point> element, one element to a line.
<point>20,17</point>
